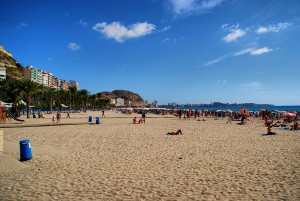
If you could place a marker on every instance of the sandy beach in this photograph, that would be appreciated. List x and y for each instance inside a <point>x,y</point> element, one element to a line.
<point>118,160</point>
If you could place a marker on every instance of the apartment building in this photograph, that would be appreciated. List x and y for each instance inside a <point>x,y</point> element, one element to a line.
<point>65,85</point>
<point>45,79</point>
<point>120,102</point>
<point>30,73</point>
<point>48,79</point>
<point>74,83</point>
<point>2,73</point>
<point>58,83</point>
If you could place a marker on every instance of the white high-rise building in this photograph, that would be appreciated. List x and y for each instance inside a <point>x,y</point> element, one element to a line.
<point>120,102</point>
<point>2,73</point>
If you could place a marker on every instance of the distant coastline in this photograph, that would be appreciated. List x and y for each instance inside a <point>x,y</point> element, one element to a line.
<point>217,104</point>
<point>235,107</point>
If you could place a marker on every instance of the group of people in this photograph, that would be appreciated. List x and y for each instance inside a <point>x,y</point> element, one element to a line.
<point>141,120</point>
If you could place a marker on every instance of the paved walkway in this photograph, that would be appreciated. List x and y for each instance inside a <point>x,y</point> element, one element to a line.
<point>20,125</point>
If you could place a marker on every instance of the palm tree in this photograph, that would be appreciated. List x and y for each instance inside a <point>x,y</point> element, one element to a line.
<point>28,89</point>
<point>92,100</point>
<point>73,91</point>
<point>50,93</point>
<point>83,95</point>
<point>11,92</point>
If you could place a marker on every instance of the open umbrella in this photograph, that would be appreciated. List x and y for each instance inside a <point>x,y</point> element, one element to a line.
<point>291,114</point>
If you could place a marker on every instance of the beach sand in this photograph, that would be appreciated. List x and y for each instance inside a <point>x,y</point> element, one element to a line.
<point>118,160</point>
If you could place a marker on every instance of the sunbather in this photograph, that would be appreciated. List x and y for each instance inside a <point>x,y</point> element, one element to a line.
<point>179,132</point>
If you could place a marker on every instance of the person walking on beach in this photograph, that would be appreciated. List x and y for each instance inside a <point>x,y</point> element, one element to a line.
<point>103,115</point>
<point>68,114</point>
<point>229,118</point>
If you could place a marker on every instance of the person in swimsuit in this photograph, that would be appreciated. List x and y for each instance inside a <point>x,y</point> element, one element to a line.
<point>179,132</point>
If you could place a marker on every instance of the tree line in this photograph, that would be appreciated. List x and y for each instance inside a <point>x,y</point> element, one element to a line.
<point>31,93</point>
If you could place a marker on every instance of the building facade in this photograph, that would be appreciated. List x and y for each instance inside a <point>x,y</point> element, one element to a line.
<point>120,102</point>
<point>48,79</point>
<point>2,73</point>
<point>30,73</point>
<point>74,83</point>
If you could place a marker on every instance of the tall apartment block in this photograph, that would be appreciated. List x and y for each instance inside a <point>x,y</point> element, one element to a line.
<point>47,79</point>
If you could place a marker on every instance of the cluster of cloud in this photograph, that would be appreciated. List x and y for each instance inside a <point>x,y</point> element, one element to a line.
<point>74,46</point>
<point>273,28</point>
<point>184,7</point>
<point>234,35</point>
<point>82,22</point>
<point>120,33</point>
<point>251,51</point>
<point>235,32</point>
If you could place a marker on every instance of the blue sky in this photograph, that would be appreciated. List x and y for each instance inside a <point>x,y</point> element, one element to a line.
<point>183,51</point>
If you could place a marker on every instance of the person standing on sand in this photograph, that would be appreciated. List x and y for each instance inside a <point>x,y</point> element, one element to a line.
<point>103,115</point>
<point>179,114</point>
<point>58,116</point>
<point>144,117</point>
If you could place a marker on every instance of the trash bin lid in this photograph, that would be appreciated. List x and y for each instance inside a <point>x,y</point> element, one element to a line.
<point>24,141</point>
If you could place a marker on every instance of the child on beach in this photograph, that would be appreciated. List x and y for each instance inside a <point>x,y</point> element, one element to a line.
<point>58,116</point>
<point>141,120</point>
<point>134,120</point>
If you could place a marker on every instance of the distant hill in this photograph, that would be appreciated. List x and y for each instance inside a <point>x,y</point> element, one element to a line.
<point>13,69</point>
<point>134,98</point>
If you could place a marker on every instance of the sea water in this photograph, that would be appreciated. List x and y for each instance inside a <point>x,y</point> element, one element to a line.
<point>250,108</point>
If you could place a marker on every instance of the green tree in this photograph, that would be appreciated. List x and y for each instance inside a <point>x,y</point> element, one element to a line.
<point>28,89</point>
<point>11,92</point>
<point>73,91</point>
<point>83,96</point>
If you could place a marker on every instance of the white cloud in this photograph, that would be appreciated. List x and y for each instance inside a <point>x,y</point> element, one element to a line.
<point>252,51</point>
<point>253,86</point>
<point>165,29</point>
<point>234,35</point>
<point>273,28</point>
<point>261,51</point>
<point>81,22</point>
<point>120,33</point>
<point>242,52</point>
<point>217,60</point>
<point>221,81</point>
<point>181,7</point>
<point>74,46</point>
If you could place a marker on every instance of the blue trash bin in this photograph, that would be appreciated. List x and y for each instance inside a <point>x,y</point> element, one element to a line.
<point>90,119</point>
<point>25,150</point>
<point>97,120</point>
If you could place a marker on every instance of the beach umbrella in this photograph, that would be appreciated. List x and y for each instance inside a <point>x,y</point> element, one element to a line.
<point>294,112</point>
<point>291,114</point>
<point>229,110</point>
<point>244,112</point>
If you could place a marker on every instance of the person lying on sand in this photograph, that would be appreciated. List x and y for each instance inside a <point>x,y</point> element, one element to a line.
<point>179,132</point>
